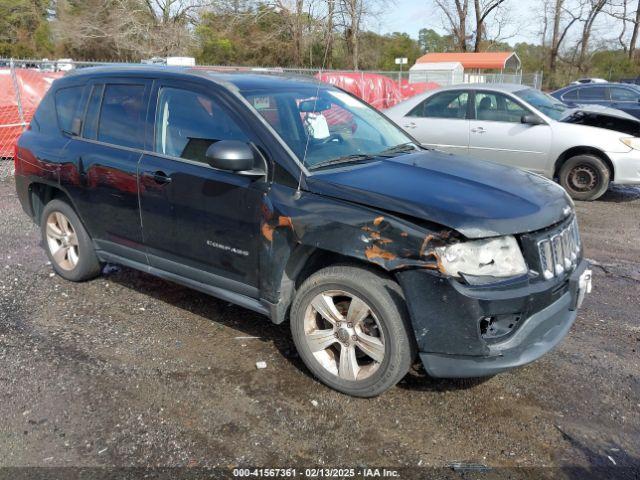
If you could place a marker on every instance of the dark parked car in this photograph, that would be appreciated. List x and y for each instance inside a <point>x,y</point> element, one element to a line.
<point>622,96</point>
<point>297,200</point>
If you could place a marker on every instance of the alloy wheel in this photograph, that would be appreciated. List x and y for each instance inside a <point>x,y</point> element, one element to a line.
<point>344,335</point>
<point>62,241</point>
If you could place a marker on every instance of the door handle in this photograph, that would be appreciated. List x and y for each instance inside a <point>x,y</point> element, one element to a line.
<point>478,130</point>
<point>410,125</point>
<point>159,177</point>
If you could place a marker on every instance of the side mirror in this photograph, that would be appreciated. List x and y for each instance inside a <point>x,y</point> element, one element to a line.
<point>231,155</point>
<point>531,119</point>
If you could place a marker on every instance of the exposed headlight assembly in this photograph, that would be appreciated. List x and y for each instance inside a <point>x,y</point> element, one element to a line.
<point>483,261</point>
<point>631,142</point>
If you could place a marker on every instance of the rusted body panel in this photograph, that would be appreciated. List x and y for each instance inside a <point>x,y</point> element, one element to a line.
<point>294,222</point>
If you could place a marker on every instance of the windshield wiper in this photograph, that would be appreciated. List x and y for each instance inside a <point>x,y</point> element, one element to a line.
<point>402,148</point>
<point>355,158</point>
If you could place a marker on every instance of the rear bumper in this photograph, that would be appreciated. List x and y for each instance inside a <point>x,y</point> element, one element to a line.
<point>626,166</point>
<point>451,343</point>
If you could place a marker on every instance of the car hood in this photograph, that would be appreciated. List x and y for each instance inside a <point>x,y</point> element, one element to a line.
<point>601,110</point>
<point>478,199</point>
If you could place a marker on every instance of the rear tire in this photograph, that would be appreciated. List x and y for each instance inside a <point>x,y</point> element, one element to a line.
<point>362,343</point>
<point>67,243</point>
<point>585,177</point>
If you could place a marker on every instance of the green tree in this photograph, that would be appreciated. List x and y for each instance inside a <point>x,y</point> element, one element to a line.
<point>431,41</point>
<point>24,29</point>
<point>397,45</point>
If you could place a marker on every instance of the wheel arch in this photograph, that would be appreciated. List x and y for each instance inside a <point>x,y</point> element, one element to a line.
<point>583,150</point>
<point>41,193</point>
<point>304,262</point>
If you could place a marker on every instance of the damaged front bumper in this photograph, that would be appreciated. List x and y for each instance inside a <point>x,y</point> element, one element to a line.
<point>465,331</point>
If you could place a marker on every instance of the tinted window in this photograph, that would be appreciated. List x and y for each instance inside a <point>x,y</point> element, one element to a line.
<point>496,107</point>
<point>93,110</point>
<point>122,116</point>
<point>44,120</point>
<point>593,93</point>
<point>621,94</point>
<point>187,123</point>
<point>68,107</point>
<point>443,105</point>
<point>570,95</point>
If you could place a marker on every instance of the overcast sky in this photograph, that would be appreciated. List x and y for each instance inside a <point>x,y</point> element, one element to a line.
<point>412,15</point>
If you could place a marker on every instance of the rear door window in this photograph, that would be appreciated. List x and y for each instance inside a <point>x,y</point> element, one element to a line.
<point>451,105</point>
<point>68,107</point>
<point>122,115</point>
<point>593,93</point>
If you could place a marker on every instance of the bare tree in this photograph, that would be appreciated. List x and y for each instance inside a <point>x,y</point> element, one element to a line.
<point>623,18</point>
<point>352,11</point>
<point>459,23</point>
<point>354,15</point>
<point>121,29</point>
<point>563,19</point>
<point>634,34</point>
<point>544,31</point>
<point>329,31</point>
<point>483,9</point>
<point>294,12</point>
<point>456,14</point>
<point>166,11</point>
<point>593,10</point>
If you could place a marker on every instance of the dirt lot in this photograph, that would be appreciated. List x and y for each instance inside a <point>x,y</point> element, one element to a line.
<point>129,370</point>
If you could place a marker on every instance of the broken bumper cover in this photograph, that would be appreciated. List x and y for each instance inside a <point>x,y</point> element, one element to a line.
<point>452,346</point>
<point>626,167</point>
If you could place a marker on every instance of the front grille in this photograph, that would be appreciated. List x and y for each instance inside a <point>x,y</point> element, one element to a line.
<point>559,250</point>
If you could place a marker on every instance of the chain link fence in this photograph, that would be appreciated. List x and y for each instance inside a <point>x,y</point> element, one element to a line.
<point>22,86</point>
<point>23,83</point>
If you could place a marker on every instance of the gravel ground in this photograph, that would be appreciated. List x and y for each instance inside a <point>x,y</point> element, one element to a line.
<point>130,370</point>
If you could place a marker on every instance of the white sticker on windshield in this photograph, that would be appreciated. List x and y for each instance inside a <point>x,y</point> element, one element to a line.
<point>261,103</point>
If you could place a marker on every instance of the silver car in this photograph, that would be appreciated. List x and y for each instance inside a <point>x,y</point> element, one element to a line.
<point>584,149</point>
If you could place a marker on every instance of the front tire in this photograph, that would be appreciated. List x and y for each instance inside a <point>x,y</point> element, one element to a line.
<point>585,177</point>
<point>67,243</point>
<point>351,329</point>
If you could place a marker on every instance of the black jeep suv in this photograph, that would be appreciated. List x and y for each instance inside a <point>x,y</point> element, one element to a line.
<point>297,200</point>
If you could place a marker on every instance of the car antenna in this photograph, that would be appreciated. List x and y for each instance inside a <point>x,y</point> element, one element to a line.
<point>315,103</point>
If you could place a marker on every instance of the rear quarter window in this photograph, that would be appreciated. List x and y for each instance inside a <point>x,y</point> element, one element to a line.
<point>68,106</point>
<point>44,120</point>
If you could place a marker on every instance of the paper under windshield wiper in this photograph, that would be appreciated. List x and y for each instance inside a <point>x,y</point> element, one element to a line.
<point>355,158</point>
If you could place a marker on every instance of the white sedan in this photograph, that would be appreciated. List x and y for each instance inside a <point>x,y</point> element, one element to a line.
<point>584,149</point>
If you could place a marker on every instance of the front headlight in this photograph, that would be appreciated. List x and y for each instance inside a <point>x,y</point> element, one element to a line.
<point>631,142</point>
<point>498,257</point>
